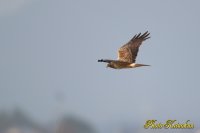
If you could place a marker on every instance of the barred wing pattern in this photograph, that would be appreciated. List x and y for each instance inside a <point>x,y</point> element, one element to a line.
<point>128,52</point>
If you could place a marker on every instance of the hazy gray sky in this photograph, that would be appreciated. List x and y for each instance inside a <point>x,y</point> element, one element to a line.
<point>49,49</point>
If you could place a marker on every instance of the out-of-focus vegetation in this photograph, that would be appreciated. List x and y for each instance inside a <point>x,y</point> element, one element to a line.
<point>18,122</point>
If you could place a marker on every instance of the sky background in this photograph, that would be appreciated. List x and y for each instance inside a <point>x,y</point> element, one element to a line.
<point>49,51</point>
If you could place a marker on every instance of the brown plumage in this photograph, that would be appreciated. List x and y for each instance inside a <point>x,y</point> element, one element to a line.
<point>127,53</point>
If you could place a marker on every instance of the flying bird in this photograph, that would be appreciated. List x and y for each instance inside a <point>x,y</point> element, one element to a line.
<point>127,53</point>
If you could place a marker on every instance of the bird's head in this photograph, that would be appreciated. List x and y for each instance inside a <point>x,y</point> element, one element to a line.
<point>110,65</point>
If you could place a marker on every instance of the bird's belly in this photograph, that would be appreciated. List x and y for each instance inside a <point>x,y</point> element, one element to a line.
<point>122,65</point>
<point>132,65</point>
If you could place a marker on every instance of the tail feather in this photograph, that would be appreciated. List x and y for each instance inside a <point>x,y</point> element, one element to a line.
<point>133,65</point>
<point>139,65</point>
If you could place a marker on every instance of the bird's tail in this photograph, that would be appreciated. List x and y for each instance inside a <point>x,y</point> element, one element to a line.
<point>139,65</point>
<point>133,65</point>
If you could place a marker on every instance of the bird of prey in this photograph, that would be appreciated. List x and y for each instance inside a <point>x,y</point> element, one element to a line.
<point>127,53</point>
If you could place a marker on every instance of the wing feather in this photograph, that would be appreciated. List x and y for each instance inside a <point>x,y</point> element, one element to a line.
<point>125,55</point>
<point>129,51</point>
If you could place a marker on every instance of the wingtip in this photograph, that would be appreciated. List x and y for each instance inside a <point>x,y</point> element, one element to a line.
<point>146,35</point>
<point>100,60</point>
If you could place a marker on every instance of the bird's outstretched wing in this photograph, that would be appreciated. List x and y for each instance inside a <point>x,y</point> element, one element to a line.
<point>128,52</point>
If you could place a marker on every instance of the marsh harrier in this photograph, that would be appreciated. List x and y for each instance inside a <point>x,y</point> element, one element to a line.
<point>127,53</point>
